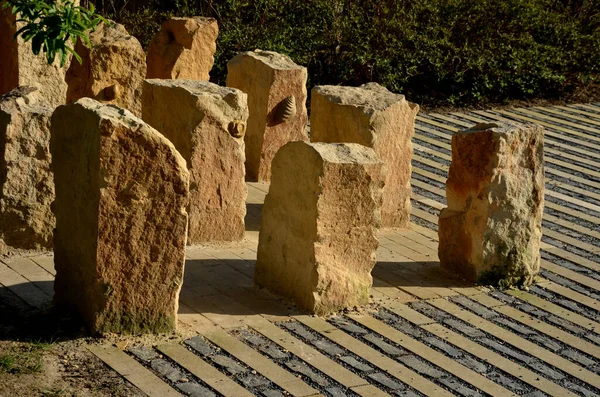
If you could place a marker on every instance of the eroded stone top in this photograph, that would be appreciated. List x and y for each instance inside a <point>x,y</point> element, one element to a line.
<point>344,153</point>
<point>196,87</point>
<point>369,97</point>
<point>500,127</point>
<point>110,33</point>
<point>124,117</point>
<point>23,97</point>
<point>272,59</point>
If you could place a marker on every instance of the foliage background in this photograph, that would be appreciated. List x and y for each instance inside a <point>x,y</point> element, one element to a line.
<point>437,52</point>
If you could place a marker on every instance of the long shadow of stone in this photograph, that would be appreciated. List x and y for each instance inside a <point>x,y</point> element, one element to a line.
<point>253,217</point>
<point>416,274</point>
<point>20,321</point>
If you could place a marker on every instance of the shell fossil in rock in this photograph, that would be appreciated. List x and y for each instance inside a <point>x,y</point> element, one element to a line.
<point>286,110</point>
<point>111,92</point>
<point>237,128</point>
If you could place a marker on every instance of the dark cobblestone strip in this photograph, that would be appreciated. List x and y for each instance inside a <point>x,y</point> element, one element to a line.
<point>424,179</point>
<point>562,149</point>
<point>429,155</point>
<point>398,353</point>
<point>565,116</point>
<point>557,347</point>
<point>567,264</point>
<point>564,136</point>
<point>349,360</point>
<point>470,361</point>
<point>290,362</point>
<point>582,289</point>
<point>508,351</point>
<point>233,368</point>
<point>562,301</point>
<point>573,219</point>
<point>422,222</point>
<point>172,373</point>
<point>429,194</point>
<point>558,124</point>
<point>572,249</point>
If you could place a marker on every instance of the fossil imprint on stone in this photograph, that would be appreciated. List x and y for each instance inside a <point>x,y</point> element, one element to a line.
<point>286,110</point>
<point>237,128</point>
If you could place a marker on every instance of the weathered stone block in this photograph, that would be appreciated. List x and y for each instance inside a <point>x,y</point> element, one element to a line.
<point>276,89</point>
<point>112,71</point>
<point>20,67</point>
<point>492,228</point>
<point>206,124</point>
<point>121,221</point>
<point>26,183</point>
<point>317,240</point>
<point>183,49</point>
<point>375,117</point>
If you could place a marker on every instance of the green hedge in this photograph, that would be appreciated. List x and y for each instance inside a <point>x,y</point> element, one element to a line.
<point>437,52</point>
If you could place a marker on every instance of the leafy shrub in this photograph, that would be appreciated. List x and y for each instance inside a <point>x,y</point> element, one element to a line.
<point>53,25</point>
<point>434,51</point>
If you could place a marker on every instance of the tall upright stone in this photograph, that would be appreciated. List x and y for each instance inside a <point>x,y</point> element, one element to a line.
<point>184,48</point>
<point>276,89</point>
<point>206,123</point>
<point>491,231</point>
<point>112,71</point>
<point>121,221</point>
<point>26,183</point>
<point>375,117</point>
<point>317,240</point>
<point>20,67</point>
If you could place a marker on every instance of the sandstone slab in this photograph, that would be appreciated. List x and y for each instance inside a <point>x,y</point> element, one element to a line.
<point>20,67</point>
<point>121,220</point>
<point>112,71</point>
<point>276,89</point>
<point>491,231</point>
<point>206,124</point>
<point>375,117</point>
<point>317,240</point>
<point>26,182</point>
<point>183,49</point>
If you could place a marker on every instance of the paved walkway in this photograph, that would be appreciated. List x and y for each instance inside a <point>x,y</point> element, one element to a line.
<point>426,333</point>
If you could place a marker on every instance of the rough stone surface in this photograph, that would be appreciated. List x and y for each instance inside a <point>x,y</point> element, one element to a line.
<point>268,78</point>
<point>112,71</point>
<point>121,221</point>
<point>320,218</point>
<point>197,117</point>
<point>26,182</point>
<point>20,67</point>
<point>183,49</point>
<point>491,231</point>
<point>375,117</point>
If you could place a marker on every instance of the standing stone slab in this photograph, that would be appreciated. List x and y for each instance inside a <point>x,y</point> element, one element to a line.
<point>183,49</point>
<point>121,221</point>
<point>317,240</point>
<point>206,124</point>
<point>492,228</point>
<point>112,70</point>
<point>26,183</point>
<point>20,67</point>
<point>375,117</point>
<point>276,89</point>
